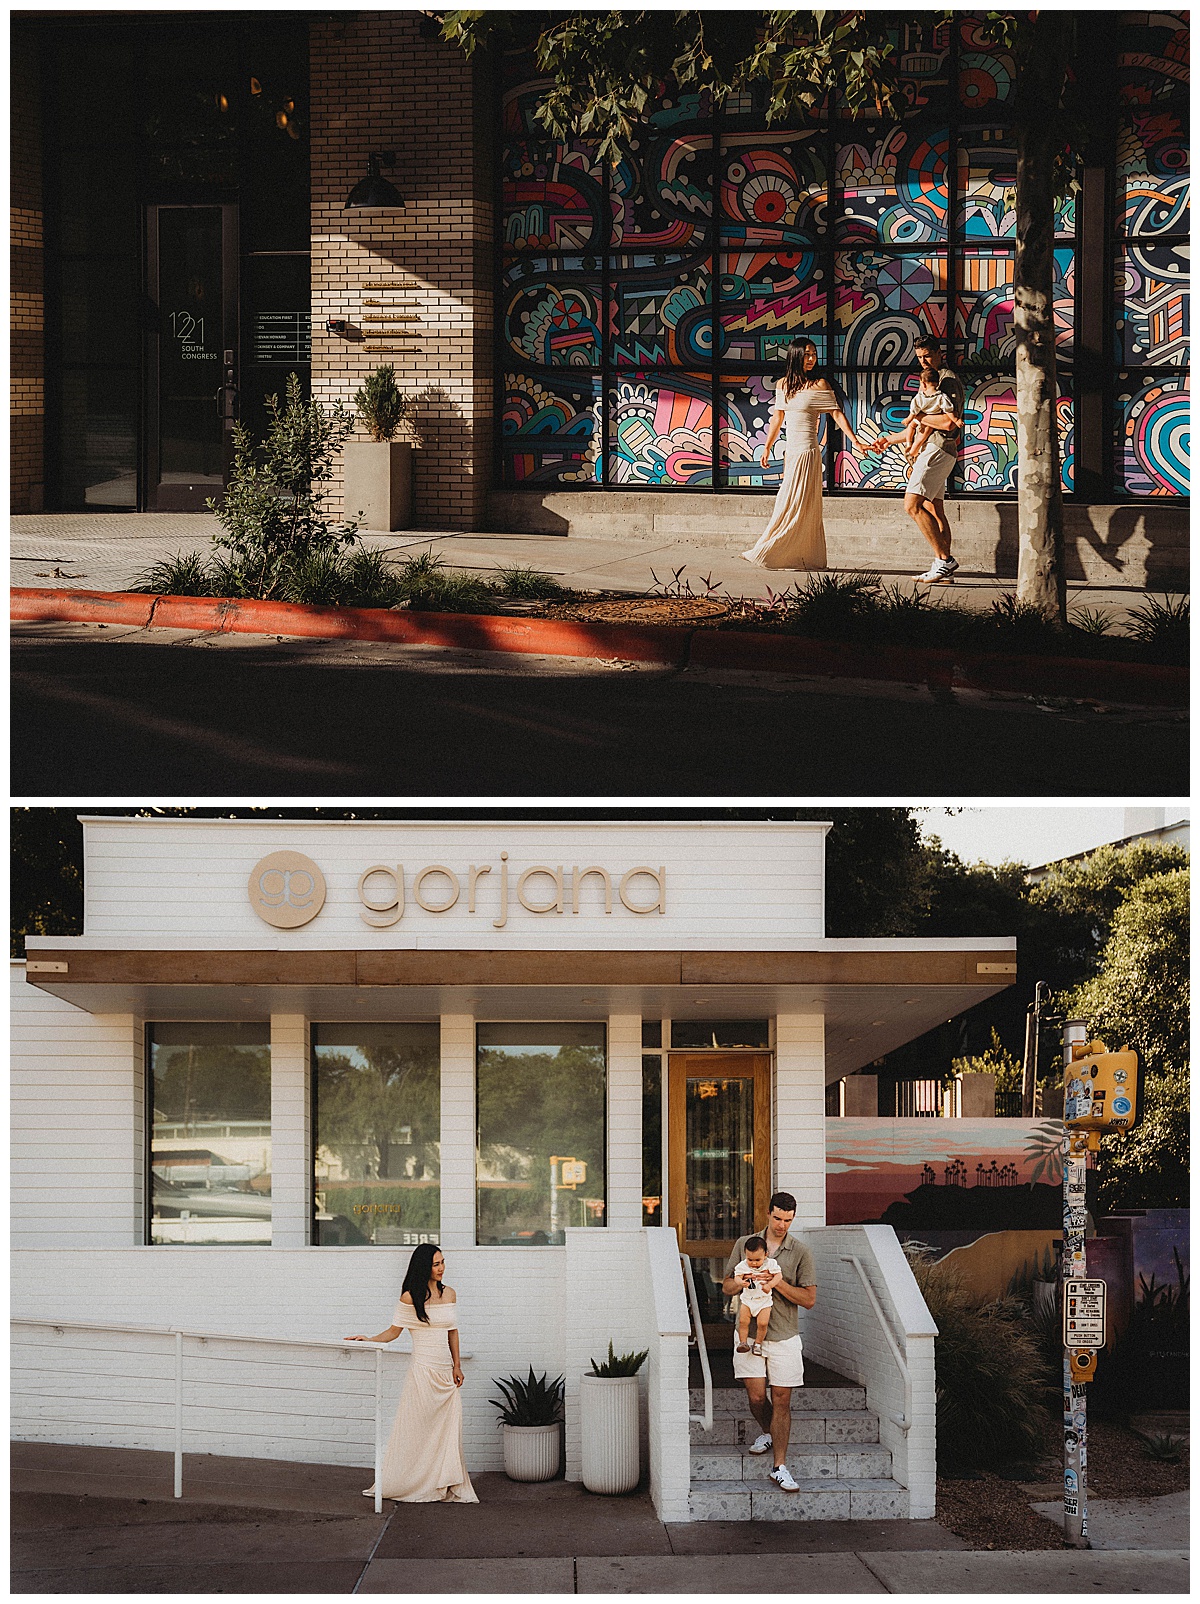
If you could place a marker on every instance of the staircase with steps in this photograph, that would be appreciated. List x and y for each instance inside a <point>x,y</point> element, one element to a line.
<point>835,1455</point>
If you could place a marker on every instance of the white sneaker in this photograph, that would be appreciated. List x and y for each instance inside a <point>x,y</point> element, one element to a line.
<point>942,568</point>
<point>761,1443</point>
<point>782,1477</point>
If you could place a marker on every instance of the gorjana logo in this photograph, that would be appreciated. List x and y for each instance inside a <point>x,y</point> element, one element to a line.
<point>287,890</point>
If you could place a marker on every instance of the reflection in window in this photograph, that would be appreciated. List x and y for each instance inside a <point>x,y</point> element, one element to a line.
<point>377,1134</point>
<point>720,1033</point>
<point>210,1133</point>
<point>652,1213</point>
<point>540,1131</point>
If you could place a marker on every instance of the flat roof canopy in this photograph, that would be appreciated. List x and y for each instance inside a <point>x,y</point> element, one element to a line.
<point>874,996</point>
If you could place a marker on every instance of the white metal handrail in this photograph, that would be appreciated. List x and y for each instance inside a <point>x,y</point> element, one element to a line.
<point>706,1419</point>
<point>379,1349</point>
<point>904,1421</point>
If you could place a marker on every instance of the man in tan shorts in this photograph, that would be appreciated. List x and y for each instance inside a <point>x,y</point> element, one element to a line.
<point>924,494</point>
<point>781,1362</point>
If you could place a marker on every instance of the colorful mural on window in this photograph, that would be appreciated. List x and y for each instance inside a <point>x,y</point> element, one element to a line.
<point>1150,260</point>
<point>668,286</point>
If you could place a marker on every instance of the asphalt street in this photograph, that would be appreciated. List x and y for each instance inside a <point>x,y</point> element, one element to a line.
<point>117,712</point>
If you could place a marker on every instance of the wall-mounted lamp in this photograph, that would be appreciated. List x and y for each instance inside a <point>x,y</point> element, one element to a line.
<point>335,325</point>
<point>374,193</point>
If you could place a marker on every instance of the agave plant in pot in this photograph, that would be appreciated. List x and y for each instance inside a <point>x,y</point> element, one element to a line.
<point>530,1415</point>
<point>379,470</point>
<point>608,1422</point>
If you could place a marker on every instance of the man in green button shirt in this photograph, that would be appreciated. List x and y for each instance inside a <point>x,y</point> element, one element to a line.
<point>782,1360</point>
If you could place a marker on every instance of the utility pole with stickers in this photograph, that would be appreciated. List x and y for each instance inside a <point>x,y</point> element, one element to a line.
<point>1102,1094</point>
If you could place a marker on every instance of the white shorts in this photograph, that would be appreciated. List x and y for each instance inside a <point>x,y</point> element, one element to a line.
<point>930,472</point>
<point>782,1363</point>
<point>756,1302</point>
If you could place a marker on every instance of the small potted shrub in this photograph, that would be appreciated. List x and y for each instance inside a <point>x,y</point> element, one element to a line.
<point>379,470</point>
<point>530,1413</point>
<point>608,1420</point>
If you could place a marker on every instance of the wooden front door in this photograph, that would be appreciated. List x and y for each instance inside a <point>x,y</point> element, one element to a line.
<point>719,1148</point>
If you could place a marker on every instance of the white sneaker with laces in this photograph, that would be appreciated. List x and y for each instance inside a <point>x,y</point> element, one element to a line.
<point>761,1443</point>
<point>782,1477</point>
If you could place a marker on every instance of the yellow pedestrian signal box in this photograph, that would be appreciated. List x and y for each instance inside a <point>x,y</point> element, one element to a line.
<point>574,1172</point>
<point>1102,1089</point>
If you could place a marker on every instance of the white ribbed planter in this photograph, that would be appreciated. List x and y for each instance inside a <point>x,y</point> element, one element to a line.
<point>531,1453</point>
<point>608,1428</point>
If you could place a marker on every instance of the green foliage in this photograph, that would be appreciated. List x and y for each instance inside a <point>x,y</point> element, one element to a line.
<point>272,512</point>
<point>622,1364</point>
<point>990,1373</point>
<point>1149,1167</point>
<point>527,584</point>
<point>606,68</point>
<point>45,857</point>
<point>189,574</point>
<point>380,404</point>
<point>1140,993</point>
<point>365,1098</point>
<point>533,1402</point>
<point>1165,625</point>
<point>205,1083</point>
<point>1163,1448</point>
<point>994,1060</point>
<point>1147,1366</point>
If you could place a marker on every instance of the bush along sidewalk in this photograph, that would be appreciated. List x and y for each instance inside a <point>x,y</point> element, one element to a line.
<point>861,609</point>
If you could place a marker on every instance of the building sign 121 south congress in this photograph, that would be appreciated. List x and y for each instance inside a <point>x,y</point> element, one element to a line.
<point>287,890</point>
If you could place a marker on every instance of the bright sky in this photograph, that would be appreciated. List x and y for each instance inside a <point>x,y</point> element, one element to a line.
<point>1034,835</point>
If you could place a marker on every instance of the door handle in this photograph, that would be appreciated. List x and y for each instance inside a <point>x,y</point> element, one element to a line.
<point>226,398</point>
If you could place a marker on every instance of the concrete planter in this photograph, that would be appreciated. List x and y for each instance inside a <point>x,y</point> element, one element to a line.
<point>531,1453</point>
<point>378,483</point>
<point>608,1425</point>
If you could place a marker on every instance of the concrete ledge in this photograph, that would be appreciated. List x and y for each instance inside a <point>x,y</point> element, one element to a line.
<point>1142,545</point>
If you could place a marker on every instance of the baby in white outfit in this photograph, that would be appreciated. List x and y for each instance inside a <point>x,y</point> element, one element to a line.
<point>755,1303</point>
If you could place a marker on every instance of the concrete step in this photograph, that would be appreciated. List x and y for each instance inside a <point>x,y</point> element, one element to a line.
<point>731,1462</point>
<point>855,1498</point>
<point>805,1400</point>
<point>830,1426</point>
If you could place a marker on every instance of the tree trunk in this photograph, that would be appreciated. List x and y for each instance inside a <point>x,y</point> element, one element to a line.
<point>1040,572</point>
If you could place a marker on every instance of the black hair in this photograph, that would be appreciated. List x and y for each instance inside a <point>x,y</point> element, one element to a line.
<point>755,1244</point>
<point>929,342</point>
<point>782,1200</point>
<point>417,1276</point>
<point>795,376</point>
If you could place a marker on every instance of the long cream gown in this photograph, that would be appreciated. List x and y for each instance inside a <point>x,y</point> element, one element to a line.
<point>795,536</point>
<point>423,1460</point>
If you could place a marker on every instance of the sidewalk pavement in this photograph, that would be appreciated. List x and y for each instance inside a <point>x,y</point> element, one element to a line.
<point>102,1520</point>
<point>105,551</point>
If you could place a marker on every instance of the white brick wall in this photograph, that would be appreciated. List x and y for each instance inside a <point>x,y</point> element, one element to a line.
<point>798,1115</point>
<point>844,1333</point>
<point>625,1122</point>
<point>78,1099</point>
<point>291,1130</point>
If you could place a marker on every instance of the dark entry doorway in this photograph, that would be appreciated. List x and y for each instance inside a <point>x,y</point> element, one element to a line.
<point>192,357</point>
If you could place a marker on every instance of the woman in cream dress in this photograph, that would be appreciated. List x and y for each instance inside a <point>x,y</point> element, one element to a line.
<point>423,1461</point>
<point>795,536</point>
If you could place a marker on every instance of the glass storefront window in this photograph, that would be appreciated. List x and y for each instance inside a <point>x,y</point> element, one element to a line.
<point>210,1133</point>
<point>652,1178</point>
<point>726,1033</point>
<point>540,1131</point>
<point>376,1134</point>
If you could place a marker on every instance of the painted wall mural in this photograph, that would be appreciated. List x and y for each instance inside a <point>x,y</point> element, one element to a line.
<point>670,284</point>
<point>968,1175</point>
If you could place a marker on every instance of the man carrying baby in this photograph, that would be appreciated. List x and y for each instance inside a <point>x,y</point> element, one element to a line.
<point>781,1362</point>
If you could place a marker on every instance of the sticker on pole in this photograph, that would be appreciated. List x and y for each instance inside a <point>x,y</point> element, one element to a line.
<point>1083,1314</point>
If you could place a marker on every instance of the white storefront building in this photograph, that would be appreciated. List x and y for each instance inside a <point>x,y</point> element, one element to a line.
<point>284,1051</point>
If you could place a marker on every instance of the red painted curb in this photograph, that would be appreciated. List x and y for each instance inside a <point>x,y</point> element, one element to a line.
<point>1139,684</point>
<point>642,643</point>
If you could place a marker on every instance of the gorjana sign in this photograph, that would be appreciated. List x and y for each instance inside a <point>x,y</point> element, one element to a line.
<point>287,890</point>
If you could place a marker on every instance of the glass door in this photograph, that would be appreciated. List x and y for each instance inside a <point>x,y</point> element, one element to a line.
<point>192,378</point>
<point>719,1136</point>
